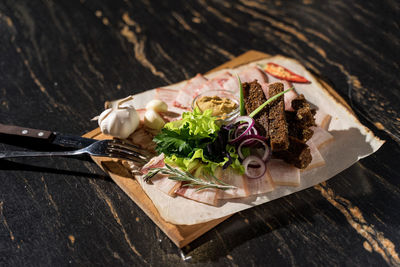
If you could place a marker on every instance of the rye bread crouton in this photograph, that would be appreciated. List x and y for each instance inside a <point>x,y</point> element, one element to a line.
<point>298,153</point>
<point>277,125</point>
<point>301,119</point>
<point>253,96</point>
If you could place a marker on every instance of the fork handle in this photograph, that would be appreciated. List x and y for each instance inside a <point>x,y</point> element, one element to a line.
<point>18,154</point>
<point>23,131</point>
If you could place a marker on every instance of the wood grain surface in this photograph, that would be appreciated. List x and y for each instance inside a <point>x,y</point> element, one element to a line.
<point>59,62</point>
<point>180,235</point>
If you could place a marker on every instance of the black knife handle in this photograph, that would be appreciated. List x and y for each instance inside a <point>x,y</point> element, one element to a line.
<point>23,131</point>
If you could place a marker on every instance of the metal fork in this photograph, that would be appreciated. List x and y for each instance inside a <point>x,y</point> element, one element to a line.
<point>103,148</point>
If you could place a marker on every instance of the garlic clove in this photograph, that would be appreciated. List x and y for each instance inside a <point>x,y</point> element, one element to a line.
<point>157,105</point>
<point>153,120</point>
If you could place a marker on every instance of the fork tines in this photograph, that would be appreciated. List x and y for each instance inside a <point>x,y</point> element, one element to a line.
<point>120,149</point>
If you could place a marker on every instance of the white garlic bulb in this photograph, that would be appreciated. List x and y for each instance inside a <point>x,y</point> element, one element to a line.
<point>120,120</point>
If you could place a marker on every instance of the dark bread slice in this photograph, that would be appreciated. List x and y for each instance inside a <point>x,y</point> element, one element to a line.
<point>304,113</point>
<point>298,153</point>
<point>253,96</point>
<point>277,125</point>
<point>301,119</point>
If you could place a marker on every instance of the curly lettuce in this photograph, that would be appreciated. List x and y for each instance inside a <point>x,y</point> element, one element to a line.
<point>184,143</point>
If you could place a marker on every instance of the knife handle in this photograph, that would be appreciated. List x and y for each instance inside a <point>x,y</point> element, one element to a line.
<point>23,131</point>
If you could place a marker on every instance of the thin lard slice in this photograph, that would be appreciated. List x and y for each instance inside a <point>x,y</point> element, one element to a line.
<point>155,162</point>
<point>321,137</point>
<point>143,138</point>
<point>289,96</point>
<point>208,196</point>
<point>160,181</point>
<point>265,88</point>
<point>167,95</point>
<point>253,73</point>
<point>260,185</point>
<point>317,159</point>
<point>185,96</point>
<point>215,83</point>
<point>231,177</point>
<point>322,119</point>
<point>166,185</point>
<point>283,173</point>
<point>170,116</point>
<point>232,84</point>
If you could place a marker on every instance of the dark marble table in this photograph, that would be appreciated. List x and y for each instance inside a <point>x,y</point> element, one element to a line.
<point>59,62</point>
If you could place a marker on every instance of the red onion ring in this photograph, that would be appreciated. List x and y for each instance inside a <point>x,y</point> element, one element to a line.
<point>250,123</point>
<point>252,130</point>
<point>254,138</point>
<point>251,160</point>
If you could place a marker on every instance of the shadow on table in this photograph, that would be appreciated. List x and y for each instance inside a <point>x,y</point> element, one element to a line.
<point>28,164</point>
<point>247,225</point>
<point>8,165</point>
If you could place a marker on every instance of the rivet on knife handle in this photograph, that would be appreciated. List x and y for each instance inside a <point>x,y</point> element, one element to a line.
<point>23,131</point>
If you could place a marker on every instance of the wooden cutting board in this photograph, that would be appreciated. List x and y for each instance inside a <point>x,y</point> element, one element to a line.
<point>181,235</point>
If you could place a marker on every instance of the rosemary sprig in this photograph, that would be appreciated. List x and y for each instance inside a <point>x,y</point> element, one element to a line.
<point>210,181</point>
<point>268,101</point>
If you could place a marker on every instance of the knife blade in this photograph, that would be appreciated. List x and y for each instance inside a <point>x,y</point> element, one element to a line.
<point>69,140</point>
<point>53,138</point>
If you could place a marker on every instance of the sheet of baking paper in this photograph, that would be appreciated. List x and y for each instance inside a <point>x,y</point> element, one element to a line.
<point>352,142</point>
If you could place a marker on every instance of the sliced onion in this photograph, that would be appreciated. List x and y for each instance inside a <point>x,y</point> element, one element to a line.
<point>249,122</point>
<point>239,130</point>
<point>251,139</point>
<point>254,160</point>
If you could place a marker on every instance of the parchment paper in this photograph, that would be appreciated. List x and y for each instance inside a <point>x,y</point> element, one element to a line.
<point>352,142</point>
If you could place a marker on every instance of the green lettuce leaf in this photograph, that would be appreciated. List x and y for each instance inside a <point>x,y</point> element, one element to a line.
<point>189,164</point>
<point>183,142</point>
<point>199,124</point>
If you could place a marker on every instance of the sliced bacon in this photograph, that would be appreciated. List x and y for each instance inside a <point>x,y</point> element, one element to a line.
<point>166,185</point>
<point>260,185</point>
<point>166,95</point>
<point>161,181</point>
<point>289,96</point>
<point>283,173</point>
<point>317,159</point>
<point>220,80</point>
<point>231,177</point>
<point>265,88</point>
<point>143,138</point>
<point>170,116</point>
<point>231,84</point>
<point>321,137</point>
<point>185,96</point>
<point>253,73</point>
<point>196,82</point>
<point>322,119</point>
<point>155,162</point>
<point>208,196</point>
<point>215,83</point>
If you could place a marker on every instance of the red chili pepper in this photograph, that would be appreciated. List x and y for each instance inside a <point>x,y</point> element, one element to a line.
<point>284,74</point>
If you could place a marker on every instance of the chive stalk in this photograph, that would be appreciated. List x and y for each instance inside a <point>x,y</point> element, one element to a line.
<point>241,98</point>
<point>267,102</point>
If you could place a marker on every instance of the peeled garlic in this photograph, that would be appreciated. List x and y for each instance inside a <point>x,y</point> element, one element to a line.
<point>153,120</point>
<point>157,105</point>
<point>120,120</point>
